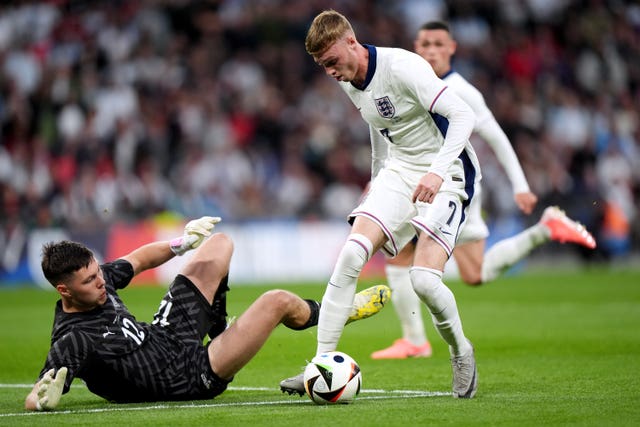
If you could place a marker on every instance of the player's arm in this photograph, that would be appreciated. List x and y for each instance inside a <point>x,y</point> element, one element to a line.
<point>492,133</point>
<point>417,80</point>
<point>65,358</point>
<point>149,256</point>
<point>461,120</point>
<point>379,151</point>
<point>379,154</point>
<point>154,254</point>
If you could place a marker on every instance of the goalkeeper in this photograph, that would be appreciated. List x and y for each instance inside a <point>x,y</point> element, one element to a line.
<point>97,339</point>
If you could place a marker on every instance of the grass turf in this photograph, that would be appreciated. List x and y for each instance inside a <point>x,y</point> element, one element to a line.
<point>553,348</point>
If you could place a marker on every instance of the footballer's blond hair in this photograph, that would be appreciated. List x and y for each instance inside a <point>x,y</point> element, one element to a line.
<point>326,29</point>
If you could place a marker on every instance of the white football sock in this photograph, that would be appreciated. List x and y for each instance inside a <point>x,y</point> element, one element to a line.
<point>341,289</point>
<point>509,251</point>
<point>427,283</point>
<point>406,303</point>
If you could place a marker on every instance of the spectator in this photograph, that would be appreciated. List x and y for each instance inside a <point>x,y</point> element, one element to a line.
<point>141,92</point>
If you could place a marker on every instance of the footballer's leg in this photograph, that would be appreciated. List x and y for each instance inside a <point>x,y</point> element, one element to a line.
<point>471,242</point>
<point>427,281</point>
<point>553,225</point>
<point>208,267</point>
<point>469,257</point>
<point>219,309</point>
<point>368,302</point>
<point>239,343</point>
<point>386,205</point>
<point>208,271</point>
<point>365,304</point>
<point>438,225</point>
<point>565,230</point>
<point>426,276</point>
<point>408,308</point>
<point>509,251</point>
<point>195,303</point>
<point>365,239</point>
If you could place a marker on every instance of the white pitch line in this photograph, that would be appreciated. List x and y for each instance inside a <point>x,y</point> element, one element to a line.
<point>388,394</point>
<point>242,388</point>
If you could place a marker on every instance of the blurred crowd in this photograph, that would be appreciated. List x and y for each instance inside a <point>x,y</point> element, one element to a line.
<point>118,110</point>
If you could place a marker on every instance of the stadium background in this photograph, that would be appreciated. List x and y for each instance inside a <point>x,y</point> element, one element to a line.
<point>119,120</point>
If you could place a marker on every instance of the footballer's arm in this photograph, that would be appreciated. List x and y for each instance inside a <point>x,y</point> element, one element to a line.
<point>154,254</point>
<point>149,256</point>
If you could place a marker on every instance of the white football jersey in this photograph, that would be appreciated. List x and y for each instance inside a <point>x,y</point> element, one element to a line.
<point>470,95</point>
<point>411,109</point>
<point>489,130</point>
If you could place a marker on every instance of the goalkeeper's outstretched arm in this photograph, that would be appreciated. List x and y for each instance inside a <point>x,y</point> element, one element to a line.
<point>46,393</point>
<point>154,254</point>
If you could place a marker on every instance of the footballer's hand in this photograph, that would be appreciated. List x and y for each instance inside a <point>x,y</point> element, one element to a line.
<point>526,201</point>
<point>427,188</point>
<point>50,389</point>
<point>194,234</point>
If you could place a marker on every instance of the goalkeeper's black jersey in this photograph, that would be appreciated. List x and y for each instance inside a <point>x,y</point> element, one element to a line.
<point>118,357</point>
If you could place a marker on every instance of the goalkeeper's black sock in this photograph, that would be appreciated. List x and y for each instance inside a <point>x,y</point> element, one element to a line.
<point>314,307</point>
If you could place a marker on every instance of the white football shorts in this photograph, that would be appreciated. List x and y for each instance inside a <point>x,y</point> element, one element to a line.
<point>388,203</point>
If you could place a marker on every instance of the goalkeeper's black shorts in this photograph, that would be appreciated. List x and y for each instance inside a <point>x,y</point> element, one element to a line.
<point>189,320</point>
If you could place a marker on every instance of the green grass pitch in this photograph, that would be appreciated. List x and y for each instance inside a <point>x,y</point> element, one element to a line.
<point>553,348</point>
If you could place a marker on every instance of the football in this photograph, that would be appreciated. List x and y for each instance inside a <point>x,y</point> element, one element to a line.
<point>332,377</point>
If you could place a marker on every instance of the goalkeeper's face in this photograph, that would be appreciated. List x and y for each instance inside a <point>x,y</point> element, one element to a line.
<point>85,290</point>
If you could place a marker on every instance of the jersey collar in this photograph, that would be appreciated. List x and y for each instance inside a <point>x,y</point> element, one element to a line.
<point>448,73</point>
<point>371,67</point>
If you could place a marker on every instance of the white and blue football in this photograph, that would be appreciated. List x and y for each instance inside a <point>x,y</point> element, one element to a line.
<point>332,377</point>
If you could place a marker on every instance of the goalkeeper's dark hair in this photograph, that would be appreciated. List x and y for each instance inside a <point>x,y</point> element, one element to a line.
<point>61,259</point>
<point>436,25</point>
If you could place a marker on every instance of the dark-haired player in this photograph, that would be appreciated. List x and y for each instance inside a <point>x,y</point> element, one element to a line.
<point>97,339</point>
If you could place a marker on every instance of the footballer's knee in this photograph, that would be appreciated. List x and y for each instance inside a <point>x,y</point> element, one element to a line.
<point>214,253</point>
<point>470,259</point>
<point>471,278</point>
<point>291,310</point>
<point>282,303</point>
<point>219,245</point>
<point>404,257</point>
<point>425,281</point>
<point>210,263</point>
<point>355,253</point>
<point>279,299</point>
